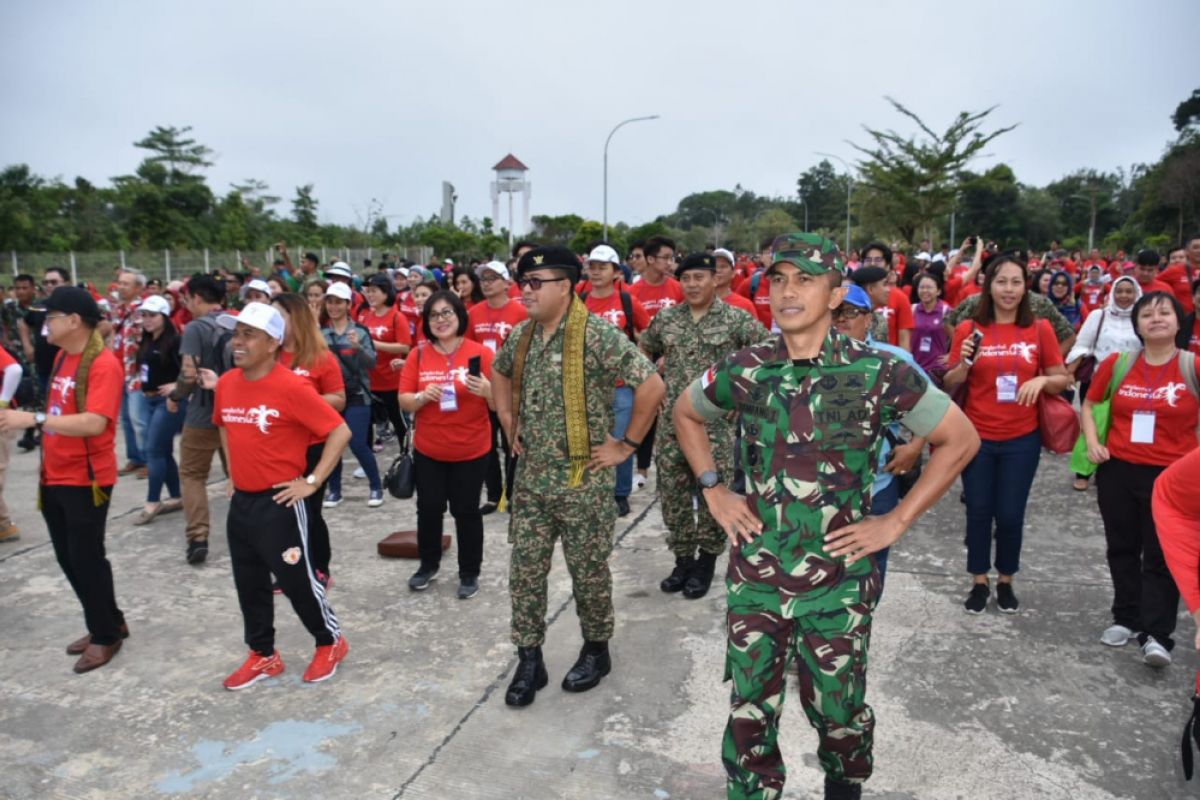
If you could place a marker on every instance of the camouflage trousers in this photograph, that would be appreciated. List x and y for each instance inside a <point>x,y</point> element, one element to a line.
<point>583,520</point>
<point>689,523</point>
<point>827,639</point>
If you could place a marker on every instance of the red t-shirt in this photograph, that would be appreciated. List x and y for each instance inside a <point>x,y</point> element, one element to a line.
<point>898,313</point>
<point>1159,390</point>
<point>409,310</point>
<point>761,298</point>
<point>64,458</point>
<point>1194,342</point>
<point>269,424</point>
<point>610,309</point>
<point>1176,276</point>
<point>1091,296</point>
<point>1176,507</point>
<point>655,298</point>
<point>737,301</point>
<point>392,328</point>
<point>325,377</point>
<point>460,435</point>
<point>1005,350</point>
<point>1156,286</point>
<point>491,326</point>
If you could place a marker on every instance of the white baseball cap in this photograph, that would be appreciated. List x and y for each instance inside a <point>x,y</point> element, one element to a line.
<point>497,267</point>
<point>603,252</point>
<point>400,271</point>
<point>921,256</point>
<point>339,290</point>
<point>721,252</point>
<point>257,315</point>
<point>256,285</point>
<point>155,304</point>
<point>339,269</point>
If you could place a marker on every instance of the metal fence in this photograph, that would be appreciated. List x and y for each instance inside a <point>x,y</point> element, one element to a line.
<point>179,264</point>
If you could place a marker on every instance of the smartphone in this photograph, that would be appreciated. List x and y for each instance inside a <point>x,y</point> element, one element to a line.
<point>976,338</point>
<point>973,241</point>
<point>473,366</point>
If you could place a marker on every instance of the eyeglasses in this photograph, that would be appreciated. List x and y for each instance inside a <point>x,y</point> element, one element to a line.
<point>877,261</point>
<point>488,277</point>
<point>51,282</point>
<point>849,312</point>
<point>445,313</point>
<point>54,316</point>
<point>536,283</point>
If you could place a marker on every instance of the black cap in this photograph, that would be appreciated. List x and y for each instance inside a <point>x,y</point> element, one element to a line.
<point>865,275</point>
<point>73,300</point>
<point>697,261</point>
<point>555,257</point>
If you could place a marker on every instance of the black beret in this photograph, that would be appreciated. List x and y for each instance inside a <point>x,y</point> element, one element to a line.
<point>697,261</point>
<point>865,275</point>
<point>74,300</point>
<point>549,257</point>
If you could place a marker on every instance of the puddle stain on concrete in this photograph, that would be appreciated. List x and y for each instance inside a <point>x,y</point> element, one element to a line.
<point>293,746</point>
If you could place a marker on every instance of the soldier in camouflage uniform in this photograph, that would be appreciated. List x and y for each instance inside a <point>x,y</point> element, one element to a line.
<point>692,337</point>
<point>801,587</point>
<point>1039,304</point>
<point>553,383</point>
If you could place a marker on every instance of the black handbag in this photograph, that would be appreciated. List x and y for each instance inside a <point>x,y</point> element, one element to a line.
<point>401,477</point>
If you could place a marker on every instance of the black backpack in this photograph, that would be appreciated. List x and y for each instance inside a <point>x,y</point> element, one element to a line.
<point>627,307</point>
<point>216,353</point>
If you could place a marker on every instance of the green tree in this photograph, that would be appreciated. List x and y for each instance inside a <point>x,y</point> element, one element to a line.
<point>910,181</point>
<point>1187,113</point>
<point>822,190</point>
<point>182,156</point>
<point>989,206</point>
<point>550,230</point>
<point>304,209</point>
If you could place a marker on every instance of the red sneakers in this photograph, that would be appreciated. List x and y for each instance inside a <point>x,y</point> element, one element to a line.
<point>325,660</point>
<point>254,670</point>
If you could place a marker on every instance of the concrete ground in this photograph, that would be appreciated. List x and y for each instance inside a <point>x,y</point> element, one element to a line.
<point>1020,707</point>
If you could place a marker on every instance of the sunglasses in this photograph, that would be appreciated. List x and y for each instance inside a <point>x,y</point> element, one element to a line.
<point>536,283</point>
<point>848,312</point>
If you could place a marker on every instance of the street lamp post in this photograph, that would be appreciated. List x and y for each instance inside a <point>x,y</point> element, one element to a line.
<point>606,141</point>
<point>849,183</point>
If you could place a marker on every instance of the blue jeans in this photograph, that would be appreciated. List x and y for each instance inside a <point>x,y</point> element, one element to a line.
<point>358,418</point>
<point>997,483</point>
<point>135,418</point>
<point>882,503</point>
<point>160,448</point>
<point>622,413</point>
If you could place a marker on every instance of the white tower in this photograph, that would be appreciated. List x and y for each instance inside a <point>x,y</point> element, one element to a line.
<point>510,179</point>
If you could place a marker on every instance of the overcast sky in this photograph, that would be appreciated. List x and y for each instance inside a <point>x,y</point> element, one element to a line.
<point>388,99</point>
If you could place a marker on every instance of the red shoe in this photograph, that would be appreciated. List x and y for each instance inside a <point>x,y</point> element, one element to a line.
<point>325,660</point>
<point>254,670</point>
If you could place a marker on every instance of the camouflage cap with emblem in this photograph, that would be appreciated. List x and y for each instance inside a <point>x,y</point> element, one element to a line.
<point>696,261</point>
<point>552,257</point>
<point>807,252</point>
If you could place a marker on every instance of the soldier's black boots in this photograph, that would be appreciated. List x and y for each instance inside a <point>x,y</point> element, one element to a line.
<point>836,790</point>
<point>700,577</point>
<point>678,577</point>
<point>592,665</point>
<point>528,678</point>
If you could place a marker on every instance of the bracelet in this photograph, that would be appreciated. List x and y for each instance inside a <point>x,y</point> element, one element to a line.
<point>631,443</point>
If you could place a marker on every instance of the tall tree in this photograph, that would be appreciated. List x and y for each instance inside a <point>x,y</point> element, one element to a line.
<point>304,209</point>
<point>910,181</point>
<point>183,156</point>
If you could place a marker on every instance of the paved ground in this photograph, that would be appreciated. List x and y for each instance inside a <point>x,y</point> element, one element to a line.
<point>968,707</point>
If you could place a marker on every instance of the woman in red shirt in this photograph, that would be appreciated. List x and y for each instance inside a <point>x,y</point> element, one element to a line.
<point>1007,359</point>
<point>445,385</point>
<point>305,353</point>
<point>1154,416</point>
<point>392,339</point>
<point>1176,507</point>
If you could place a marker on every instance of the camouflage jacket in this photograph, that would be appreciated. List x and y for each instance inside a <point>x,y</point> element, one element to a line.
<point>609,356</point>
<point>1041,307</point>
<point>689,346</point>
<point>812,430</point>
<point>9,314</point>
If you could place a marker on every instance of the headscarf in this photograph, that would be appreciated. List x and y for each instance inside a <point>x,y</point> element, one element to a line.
<point>1068,306</point>
<point>1112,307</point>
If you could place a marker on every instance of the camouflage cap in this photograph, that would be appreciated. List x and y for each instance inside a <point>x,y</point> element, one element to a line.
<point>807,252</point>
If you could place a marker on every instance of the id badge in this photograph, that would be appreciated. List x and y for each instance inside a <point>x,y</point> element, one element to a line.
<point>449,401</point>
<point>1006,388</point>
<point>926,344</point>
<point>144,373</point>
<point>490,344</point>
<point>1143,428</point>
<point>45,330</point>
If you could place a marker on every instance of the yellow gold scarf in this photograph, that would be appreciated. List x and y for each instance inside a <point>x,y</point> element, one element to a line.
<point>579,449</point>
<point>93,348</point>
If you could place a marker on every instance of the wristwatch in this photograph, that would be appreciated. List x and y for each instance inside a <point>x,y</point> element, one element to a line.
<point>708,479</point>
<point>311,480</point>
<point>39,419</point>
<point>631,443</point>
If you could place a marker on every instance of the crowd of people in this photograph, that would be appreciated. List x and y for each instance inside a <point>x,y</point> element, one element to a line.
<point>804,407</point>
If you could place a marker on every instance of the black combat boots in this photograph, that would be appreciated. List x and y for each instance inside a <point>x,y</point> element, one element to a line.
<point>837,790</point>
<point>528,678</point>
<point>700,577</point>
<point>678,577</point>
<point>592,665</point>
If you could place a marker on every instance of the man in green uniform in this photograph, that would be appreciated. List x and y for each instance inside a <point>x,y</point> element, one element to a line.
<point>692,337</point>
<point>814,404</point>
<point>553,383</point>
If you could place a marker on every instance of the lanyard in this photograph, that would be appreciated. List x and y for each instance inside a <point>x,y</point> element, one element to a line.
<point>1151,385</point>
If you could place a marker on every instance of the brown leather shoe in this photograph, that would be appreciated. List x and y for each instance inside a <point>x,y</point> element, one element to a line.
<point>77,647</point>
<point>96,655</point>
<point>129,467</point>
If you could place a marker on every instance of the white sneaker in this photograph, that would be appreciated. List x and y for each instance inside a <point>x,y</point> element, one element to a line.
<point>1116,636</point>
<point>1154,654</point>
<point>376,499</point>
<point>639,480</point>
<point>360,473</point>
